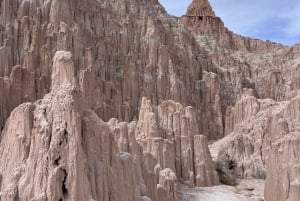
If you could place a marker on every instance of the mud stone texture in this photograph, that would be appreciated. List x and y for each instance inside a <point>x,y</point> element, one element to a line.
<point>116,100</point>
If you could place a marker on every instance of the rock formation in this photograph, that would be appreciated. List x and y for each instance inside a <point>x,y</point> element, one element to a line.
<point>66,152</point>
<point>117,100</point>
<point>283,159</point>
<point>170,129</point>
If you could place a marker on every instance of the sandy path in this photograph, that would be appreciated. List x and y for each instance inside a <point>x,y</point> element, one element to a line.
<point>247,191</point>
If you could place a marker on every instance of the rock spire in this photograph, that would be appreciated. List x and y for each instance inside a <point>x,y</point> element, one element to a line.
<point>200,8</point>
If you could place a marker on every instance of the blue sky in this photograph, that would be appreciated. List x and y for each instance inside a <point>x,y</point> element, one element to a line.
<point>275,20</point>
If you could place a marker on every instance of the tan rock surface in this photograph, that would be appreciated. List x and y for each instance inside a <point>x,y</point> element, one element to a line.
<point>66,152</point>
<point>116,100</point>
<point>169,135</point>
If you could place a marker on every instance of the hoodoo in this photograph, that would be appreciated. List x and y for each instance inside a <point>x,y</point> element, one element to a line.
<point>106,100</point>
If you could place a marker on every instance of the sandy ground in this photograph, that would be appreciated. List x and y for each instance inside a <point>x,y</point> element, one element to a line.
<point>247,190</point>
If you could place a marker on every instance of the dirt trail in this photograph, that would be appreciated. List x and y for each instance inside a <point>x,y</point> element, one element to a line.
<point>246,191</point>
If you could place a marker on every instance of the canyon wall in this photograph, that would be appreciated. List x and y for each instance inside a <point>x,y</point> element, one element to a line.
<point>117,100</point>
<point>59,149</point>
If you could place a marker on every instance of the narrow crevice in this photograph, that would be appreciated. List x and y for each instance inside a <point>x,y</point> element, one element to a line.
<point>56,161</point>
<point>231,165</point>
<point>0,181</point>
<point>289,186</point>
<point>66,133</point>
<point>64,187</point>
<point>65,136</point>
<point>50,139</point>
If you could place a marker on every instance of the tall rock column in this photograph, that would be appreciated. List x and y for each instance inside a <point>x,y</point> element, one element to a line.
<point>204,167</point>
<point>283,164</point>
<point>57,149</point>
<point>169,138</point>
<point>283,170</point>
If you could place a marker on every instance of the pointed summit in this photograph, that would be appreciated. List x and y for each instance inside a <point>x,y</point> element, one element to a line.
<point>201,19</point>
<point>200,8</point>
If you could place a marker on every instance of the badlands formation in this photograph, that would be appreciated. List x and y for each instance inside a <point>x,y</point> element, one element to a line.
<point>115,100</point>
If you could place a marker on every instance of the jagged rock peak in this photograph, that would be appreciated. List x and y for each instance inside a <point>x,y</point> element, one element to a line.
<point>200,19</point>
<point>200,8</point>
<point>63,70</point>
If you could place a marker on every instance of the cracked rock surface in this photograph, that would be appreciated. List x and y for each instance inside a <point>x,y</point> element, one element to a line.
<point>116,100</point>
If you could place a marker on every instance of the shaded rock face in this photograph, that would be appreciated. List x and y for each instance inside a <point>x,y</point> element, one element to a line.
<point>283,166</point>
<point>59,149</point>
<point>170,138</point>
<point>117,100</point>
<point>283,160</point>
<point>261,144</point>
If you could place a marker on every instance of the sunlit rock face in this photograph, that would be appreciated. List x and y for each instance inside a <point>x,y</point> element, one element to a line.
<point>117,100</point>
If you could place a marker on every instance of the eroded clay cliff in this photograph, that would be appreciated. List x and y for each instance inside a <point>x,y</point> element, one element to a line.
<point>117,100</point>
<point>59,149</point>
